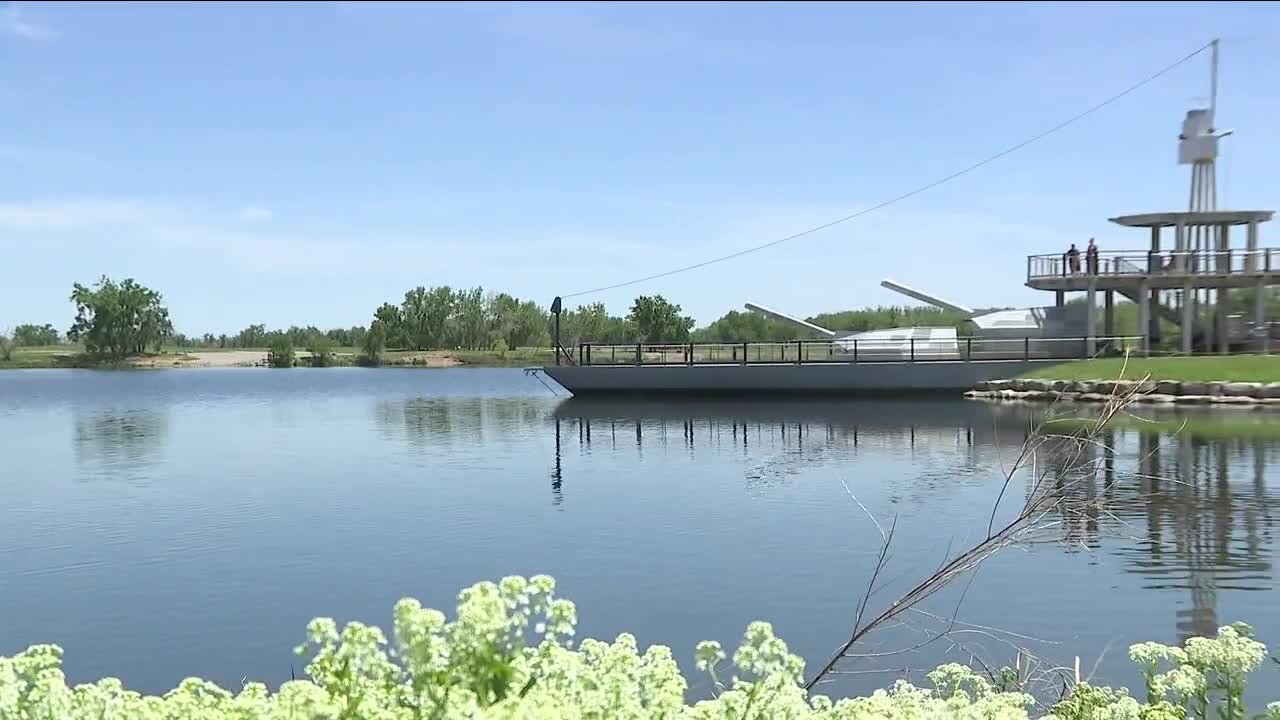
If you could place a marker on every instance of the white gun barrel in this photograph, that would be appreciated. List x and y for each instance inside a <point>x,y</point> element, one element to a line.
<point>787,318</point>
<point>926,297</point>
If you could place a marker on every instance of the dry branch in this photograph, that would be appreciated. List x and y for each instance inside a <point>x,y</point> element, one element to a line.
<point>1043,499</point>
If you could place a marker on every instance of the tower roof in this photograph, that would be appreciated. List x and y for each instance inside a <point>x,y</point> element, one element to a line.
<point>1214,217</point>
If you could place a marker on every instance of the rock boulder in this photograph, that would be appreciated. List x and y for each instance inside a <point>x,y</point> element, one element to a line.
<point>1241,389</point>
<point>1193,399</point>
<point>1233,400</point>
<point>1195,388</point>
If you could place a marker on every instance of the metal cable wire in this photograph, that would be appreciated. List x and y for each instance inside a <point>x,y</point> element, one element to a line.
<point>923,188</point>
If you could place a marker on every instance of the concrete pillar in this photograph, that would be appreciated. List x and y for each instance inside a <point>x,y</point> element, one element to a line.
<point>1224,250</point>
<point>1180,246</point>
<point>1188,318</point>
<point>1260,317</point>
<point>1091,318</point>
<point>1251,247</point>
<point>1220,322</point>
<point>1153,326</point>
<point>1109,313</point>
<point>1155,238</point>
<point>1060,297</point>
<point>1144,318</point>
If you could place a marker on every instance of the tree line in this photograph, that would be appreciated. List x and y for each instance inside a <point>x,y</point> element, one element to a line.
<point>738,326</point>
<point>117,319</point>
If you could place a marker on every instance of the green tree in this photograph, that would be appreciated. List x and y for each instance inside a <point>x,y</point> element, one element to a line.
<point>280,351</point>
<point>426,314</point>
<point>471,319</point>
<point>889,316</point>
<point>116,320</point>
<point>346,337</point>
<point>35,335</point>
<point>657,320</point>
<point>356,336</point>
<point>374,342</point>
<point>592,323</point>
<point>321,349</point>
<point>6,347</point>
<point>736,326</point>
<point>300,336</point>
<point>392,321</point>
<point>518,324</point>
<point>1241,302</point>
<point>250,337</point>
<point>339,336</point>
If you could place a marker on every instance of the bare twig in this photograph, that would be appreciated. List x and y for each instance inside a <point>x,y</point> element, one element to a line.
<point>1042,499</point>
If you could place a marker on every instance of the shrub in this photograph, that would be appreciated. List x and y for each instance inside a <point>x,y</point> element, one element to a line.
<point>509,653</point>
<point>321,349</point>
<point>375,341</point>
<point>6,347</point>
<point>280,352</point>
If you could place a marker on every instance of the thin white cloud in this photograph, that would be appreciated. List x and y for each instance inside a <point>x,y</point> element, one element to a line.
<point>937,250</point>
<point>14,22</point>
<point>35,156</point>
<point>69,214</point>
<point>253,214</point>
<point>253,247</point>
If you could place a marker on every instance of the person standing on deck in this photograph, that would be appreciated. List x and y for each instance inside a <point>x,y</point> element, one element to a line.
<point>1073,259</point>
<point>1091,258</point>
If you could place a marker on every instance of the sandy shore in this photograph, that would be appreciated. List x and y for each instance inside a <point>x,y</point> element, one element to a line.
<point>59,357</point>
<point>230,358</point>
<point>252,358</point>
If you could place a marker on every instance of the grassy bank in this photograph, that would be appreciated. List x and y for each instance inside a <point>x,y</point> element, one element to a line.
<point>1231,425</point>
<point>71,356</point>
<point>1209,368</point>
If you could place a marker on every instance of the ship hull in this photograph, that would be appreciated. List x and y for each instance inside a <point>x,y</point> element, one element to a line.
<point>808,379</point>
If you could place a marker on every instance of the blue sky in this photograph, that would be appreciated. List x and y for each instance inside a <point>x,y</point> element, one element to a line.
<point>301,164</point>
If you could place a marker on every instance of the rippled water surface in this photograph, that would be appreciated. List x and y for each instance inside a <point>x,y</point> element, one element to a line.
<point>173,523</point>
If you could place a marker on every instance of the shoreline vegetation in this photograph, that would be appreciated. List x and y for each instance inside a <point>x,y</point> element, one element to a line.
<point>1201,368</point>
<point>1245,380</point>
<point>70,357</point>
<point>509,652</point>
<point>126,325</point>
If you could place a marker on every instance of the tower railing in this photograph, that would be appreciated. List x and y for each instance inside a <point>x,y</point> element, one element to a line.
<point>847,351</point>
<point>1139,263</point>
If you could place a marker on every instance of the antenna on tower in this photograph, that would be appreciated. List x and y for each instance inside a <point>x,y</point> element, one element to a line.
<point>1198,147</point>
<point>1213,79</point>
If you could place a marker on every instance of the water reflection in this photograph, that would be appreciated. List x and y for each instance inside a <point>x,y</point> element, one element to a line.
<point>284,486</point>
<point>119,443</point>
<point>781,440</point>
<point>1179,511</point>
<point>460,421</point>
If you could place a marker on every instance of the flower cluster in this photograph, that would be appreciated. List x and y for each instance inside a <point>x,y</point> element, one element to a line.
<point>509,654</point>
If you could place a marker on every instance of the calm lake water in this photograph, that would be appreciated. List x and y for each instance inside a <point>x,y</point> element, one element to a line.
<point>164,524</point>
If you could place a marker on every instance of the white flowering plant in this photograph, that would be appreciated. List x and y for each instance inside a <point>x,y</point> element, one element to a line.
<point>509,654</point>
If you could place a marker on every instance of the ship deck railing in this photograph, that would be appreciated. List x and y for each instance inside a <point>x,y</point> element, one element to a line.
<point>853,351</point>
<point>1171,269</point>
